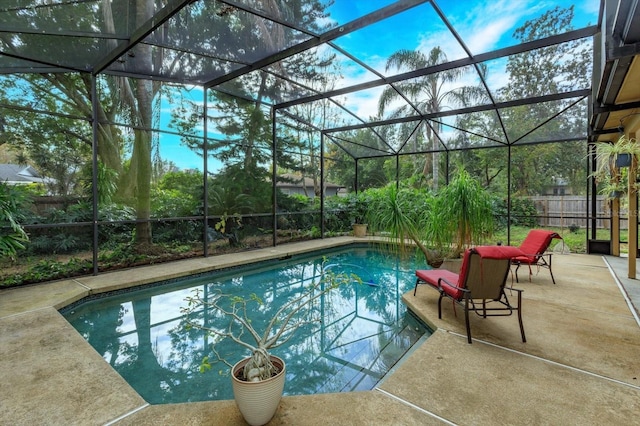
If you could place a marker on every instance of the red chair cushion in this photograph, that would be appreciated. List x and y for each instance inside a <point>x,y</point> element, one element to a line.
<point>456,281</point>
<point>431,276</point>
<point>535,244</point>
<point>499,252</point>
<point>525,259</point>
<point>453,291</point>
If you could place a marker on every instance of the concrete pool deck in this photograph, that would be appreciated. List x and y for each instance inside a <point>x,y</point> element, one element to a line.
<point>580,365</point>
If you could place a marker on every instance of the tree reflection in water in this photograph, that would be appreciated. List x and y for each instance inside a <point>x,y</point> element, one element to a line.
<point>365,331</point>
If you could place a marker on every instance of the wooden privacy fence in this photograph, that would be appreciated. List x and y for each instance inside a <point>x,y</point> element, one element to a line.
<point>567,210</point>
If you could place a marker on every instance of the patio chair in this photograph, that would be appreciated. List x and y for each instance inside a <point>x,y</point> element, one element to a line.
<point>480,285</point>
<point>534,247</point>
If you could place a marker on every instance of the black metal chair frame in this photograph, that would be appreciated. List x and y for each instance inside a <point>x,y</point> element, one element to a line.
<point>540,262</point>
<point>476,304</point>
<point>470,304</point>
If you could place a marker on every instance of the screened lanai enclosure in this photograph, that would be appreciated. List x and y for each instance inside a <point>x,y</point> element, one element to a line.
<point>135,132</point>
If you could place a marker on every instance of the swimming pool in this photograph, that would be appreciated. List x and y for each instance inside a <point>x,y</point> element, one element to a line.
<point>142,333</point>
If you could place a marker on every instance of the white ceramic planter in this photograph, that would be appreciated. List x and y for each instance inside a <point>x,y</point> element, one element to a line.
<point>258,401</point>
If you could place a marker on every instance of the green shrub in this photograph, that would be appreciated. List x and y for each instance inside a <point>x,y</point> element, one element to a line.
<point>46,270</point>
<point>523,212</point>
<point>12,235</point>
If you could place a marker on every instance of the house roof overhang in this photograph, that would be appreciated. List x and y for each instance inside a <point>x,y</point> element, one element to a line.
<point>616,78</point>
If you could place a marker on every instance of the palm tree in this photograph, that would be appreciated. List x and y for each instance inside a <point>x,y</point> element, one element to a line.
<point>425,95</point>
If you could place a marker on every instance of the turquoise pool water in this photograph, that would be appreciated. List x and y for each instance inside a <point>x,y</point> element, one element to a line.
<point>365,332</point>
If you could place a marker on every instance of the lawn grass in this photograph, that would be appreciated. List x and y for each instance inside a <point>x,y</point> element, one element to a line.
<point>576,241</point>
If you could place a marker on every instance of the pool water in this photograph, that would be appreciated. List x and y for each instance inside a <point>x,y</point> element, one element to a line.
<point>365,330</point>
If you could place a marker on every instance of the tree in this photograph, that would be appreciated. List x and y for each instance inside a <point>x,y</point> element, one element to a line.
<point>372,172</point>
<point>427,94</point>
<point>70,94</point>
<point>241,114</point>
<point>320,114</point>
<point>549,70</point>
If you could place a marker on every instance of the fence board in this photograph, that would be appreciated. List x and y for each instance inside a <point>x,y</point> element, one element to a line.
<point>566,210</point>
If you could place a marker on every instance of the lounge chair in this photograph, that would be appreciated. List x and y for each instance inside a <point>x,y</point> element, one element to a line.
<point>480,285</point>
<point>534,247</point>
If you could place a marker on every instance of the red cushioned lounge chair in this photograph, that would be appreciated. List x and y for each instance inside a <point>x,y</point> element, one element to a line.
<point>480,285</point>
<point>534,247</point>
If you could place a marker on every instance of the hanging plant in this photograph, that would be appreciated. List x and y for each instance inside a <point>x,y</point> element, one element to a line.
<point>611,172</point>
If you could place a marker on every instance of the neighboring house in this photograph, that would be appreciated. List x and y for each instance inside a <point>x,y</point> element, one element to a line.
<point>560,186</point>
<point>13,174</point>
<point>297,185</point>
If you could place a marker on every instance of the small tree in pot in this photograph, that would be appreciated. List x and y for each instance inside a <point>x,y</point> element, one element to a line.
<point>462,213</point>
<point>357,204</point>
<point>260,373</point>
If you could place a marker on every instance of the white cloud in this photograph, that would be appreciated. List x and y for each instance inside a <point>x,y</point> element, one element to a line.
<point>484,27</point>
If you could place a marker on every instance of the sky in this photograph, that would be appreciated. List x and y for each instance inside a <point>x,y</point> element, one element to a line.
<point>482,25</point>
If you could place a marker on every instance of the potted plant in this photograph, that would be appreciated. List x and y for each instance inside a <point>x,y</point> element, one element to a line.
<point>258,379</point>
<point>611,159</point>
<point>440,225</point>
<point>357,206</point>
<point>627,149</point>
<point>401,215</point>
<point>614,189</point>
<point>462,213</point>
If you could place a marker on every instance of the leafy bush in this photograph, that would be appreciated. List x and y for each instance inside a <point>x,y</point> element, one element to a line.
<point>12,235</point>
<point>462,212</point>
<point>293,203</point>
<point>336,214</point>
<point>59,243</point>
<point>523,212</point>
<point>178,231</point>
<point>46,270</point>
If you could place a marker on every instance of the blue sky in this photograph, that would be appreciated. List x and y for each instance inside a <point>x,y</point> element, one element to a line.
<point>483,26</point>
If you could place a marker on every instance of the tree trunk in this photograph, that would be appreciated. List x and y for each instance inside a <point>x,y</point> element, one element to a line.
<point>143,116</point>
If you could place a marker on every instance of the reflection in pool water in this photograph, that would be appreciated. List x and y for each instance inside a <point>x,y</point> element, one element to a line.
<point>365,330</point>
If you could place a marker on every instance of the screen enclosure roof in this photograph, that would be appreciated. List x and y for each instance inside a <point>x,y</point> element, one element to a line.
<point>337,59</point>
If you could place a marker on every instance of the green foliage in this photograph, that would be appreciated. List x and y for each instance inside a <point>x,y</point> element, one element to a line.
<point>523,212</point>
<point>294,202</point>
<point>47,270</point>
<point>372,172</point>
<point>12,235</point>
<point>404,216</point>
<point>168,203</point>
<point>550,70</point>
<point>77,211</point>
<point>357,205</point>
<point>179,231</point>
<point>106,181</point>
<point>228,226</point>
<point>394,210</point>
<point>59,243</point>
<point>314,232</point>
<point>336,215</point>
<point>122,255</point>
<point>178,194</point>
<point>613,181</point>
<point>51,240</point>
<point>462,212</point>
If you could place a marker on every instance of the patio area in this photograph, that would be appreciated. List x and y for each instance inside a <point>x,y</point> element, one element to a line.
<point>579,365</point>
